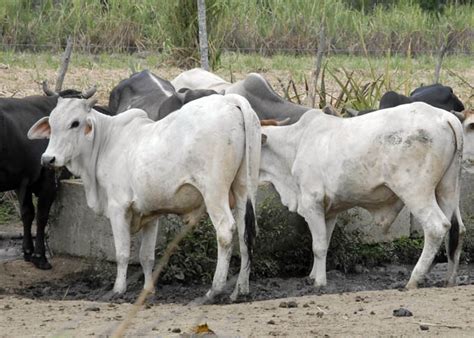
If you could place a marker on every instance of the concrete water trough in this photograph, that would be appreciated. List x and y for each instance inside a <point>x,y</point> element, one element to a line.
<point>75,229</point>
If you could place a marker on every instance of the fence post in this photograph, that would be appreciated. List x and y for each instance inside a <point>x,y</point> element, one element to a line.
<point>203,44</point>
<point>64,64</point>
<point>319,58</point>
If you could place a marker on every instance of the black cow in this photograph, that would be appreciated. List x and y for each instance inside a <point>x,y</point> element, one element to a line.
<point>20,167</point>
<point>265,101</point>
<point>151,93</point>
<point>437,95</point>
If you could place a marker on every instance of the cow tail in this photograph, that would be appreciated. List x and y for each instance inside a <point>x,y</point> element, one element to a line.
<point>252,164</point>
<point>454,231</point>
<point>453,241</point>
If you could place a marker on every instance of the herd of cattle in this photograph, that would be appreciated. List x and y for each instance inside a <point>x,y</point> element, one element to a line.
<point>201,144</point>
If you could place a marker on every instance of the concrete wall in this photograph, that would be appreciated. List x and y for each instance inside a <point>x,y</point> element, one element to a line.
<point>76,230</point>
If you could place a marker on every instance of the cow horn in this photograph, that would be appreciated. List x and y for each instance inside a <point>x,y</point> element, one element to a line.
<point>91,102</point>
<point>284,122</point>
<point>47,90</point>
<point>273,122</point>
<point>352,112</point>
<point>89,92</point>
<point>459,115</point>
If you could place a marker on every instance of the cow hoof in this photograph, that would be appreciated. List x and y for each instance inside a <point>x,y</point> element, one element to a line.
<point>241,298</point>
<point>40,262</point>
<point>27,256</point>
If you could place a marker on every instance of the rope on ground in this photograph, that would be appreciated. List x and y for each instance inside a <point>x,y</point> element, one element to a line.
<point>120,330</point>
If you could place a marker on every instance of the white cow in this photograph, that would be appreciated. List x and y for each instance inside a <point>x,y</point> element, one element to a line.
<point>198,78</point>
<point>408,155</point>
<point>203,157</point>
<point>467,118</point>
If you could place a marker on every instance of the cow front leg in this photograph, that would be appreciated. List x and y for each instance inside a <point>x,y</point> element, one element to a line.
<point>27,211</point>
<point>39,256</point>
<point>147,253</point>
<point>121,233</point>
<point>314,216</point>
<point>330,225</point>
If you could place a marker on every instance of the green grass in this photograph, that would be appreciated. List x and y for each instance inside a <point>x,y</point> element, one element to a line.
<point>260,25</point>
<point>296,65</point>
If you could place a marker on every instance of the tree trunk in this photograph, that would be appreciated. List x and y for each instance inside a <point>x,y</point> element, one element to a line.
<point>203,45</point>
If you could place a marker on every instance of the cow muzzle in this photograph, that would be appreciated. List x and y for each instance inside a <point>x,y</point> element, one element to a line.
<point>48,161</point>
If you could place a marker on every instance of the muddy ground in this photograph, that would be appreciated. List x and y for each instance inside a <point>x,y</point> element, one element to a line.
<point>73,299</point>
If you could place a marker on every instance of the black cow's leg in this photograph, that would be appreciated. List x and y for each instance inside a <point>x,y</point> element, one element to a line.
<point>27,211</point>
<point>39,256</point>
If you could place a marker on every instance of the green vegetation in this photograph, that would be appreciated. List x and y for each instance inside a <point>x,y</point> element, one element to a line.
<point>283,249</point>
<point>8,212</point>
<point>360,27</point>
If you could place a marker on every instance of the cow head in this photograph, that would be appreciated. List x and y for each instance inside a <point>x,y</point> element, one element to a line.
<point>467,119</point>
<point>70,128</point>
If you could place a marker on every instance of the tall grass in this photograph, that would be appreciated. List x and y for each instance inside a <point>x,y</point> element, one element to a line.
<point>261,25</point>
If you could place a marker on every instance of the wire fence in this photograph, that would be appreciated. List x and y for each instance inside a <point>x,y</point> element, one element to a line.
<point>265,50</point>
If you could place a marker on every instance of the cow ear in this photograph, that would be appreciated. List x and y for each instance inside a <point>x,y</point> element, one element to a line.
<point>89,128</point>
<point>40,130</point>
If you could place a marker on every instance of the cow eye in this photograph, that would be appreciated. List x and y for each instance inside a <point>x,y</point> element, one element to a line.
<point>470,126</point>
<point>74,124</point>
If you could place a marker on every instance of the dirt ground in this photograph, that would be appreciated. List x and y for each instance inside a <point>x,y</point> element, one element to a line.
<point>73,299</point>
<point>436,311</point>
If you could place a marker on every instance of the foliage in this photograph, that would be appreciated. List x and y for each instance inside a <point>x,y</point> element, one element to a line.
<point>283,249</point>
<point>7,209</point>
<point>195,259</point>
<point>263,26</point>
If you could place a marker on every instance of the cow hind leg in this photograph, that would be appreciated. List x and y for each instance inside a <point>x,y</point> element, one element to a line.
<point>435,225</point>
<point>246,229</point>
<point>27,211</point>
<point>224,224</point>
<point>447,196</point>
<point>147,252</point>
<point>453,242</point>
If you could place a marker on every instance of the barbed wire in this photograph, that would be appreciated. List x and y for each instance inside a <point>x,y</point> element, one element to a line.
<point>262,49</point>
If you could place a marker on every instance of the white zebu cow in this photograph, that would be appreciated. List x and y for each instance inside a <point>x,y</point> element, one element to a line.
<point>203,157</point>
<point>198,78</point>
<point>409,155</point>
<point>467,118</point>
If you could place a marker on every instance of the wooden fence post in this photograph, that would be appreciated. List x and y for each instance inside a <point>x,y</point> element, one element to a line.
<point>64,64</point>
<point>319,58</point>
<point>203,44</point>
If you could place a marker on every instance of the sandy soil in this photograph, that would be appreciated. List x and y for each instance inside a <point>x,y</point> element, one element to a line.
<point>439,311</point>
<point>72,300</point>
